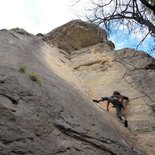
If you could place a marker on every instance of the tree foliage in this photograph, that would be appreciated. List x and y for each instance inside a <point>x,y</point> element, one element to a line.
<point>128,14</point>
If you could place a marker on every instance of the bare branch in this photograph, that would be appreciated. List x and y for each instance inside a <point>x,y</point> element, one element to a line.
<point>130,14</point>
<point>142,40</point>
<point>148,5</point>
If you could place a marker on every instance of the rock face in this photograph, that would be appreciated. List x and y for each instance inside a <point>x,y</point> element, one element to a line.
<point>129,72</point>
<point>76,35</point>
<point>45,93</point>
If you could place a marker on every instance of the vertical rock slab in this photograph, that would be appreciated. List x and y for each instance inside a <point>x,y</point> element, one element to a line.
<point>51,116</point>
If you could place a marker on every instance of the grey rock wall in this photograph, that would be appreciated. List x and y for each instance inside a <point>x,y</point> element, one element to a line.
<point>52,116</point>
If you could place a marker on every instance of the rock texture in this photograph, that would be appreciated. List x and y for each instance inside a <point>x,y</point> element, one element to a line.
<point>52,113</point>
<point>131,72</point>
<point>76,35</point>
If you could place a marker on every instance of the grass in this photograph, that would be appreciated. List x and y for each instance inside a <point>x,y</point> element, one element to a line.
<point>35,77</point>
<point>22,68</point>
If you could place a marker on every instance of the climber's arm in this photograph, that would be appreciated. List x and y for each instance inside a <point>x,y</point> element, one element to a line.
<point>125,100</point>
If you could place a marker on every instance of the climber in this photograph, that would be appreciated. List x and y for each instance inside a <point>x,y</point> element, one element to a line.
<point>118,102</point>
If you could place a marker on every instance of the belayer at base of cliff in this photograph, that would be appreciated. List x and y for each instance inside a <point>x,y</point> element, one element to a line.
<point>118,101</point>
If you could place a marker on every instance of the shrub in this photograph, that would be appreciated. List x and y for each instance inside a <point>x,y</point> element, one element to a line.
<point>22,68</point>
<point>35,77</point>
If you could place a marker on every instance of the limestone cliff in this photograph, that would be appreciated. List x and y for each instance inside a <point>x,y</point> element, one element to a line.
<point>46,92</point>
<point>76,35</point>
<point>104,70</point>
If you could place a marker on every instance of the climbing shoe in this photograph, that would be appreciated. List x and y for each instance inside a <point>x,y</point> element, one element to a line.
<point>126,123</point>
<point>95,101</point>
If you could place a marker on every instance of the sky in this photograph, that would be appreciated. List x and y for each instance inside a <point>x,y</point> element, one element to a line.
<point>35,16</point>
<point>42,16</point>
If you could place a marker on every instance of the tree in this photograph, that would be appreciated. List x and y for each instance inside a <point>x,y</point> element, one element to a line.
<point>129,15</point>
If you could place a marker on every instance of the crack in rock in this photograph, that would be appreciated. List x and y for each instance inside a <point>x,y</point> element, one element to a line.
<point>10,98</point>
<point>83,137</point>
